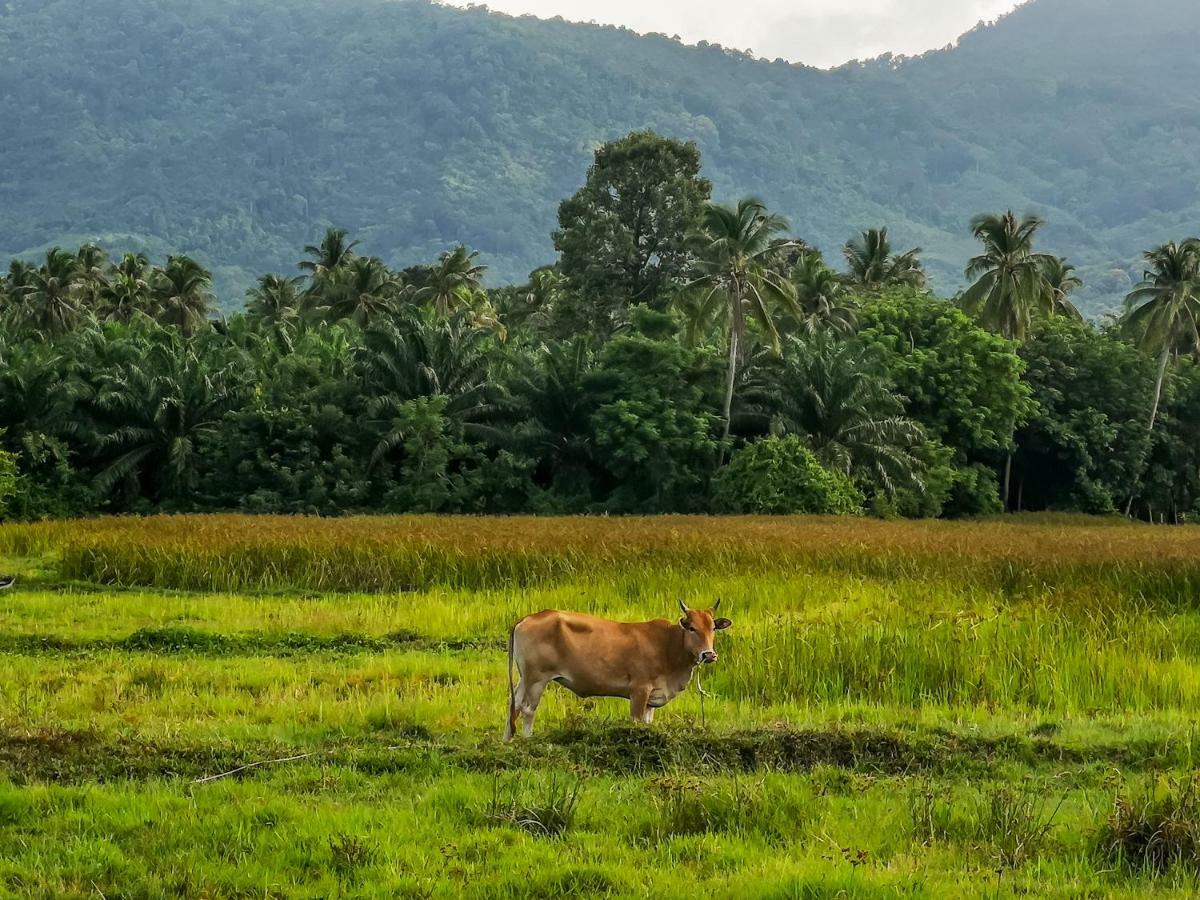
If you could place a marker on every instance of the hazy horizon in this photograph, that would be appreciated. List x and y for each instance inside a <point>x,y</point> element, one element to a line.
<point>821,33</point>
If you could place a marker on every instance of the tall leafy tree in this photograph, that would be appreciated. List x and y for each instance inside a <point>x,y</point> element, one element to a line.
<point>49,303</point>
<point>363,291</point>
<point>873,264</point>
<point>653,427</point>
<point>959,381</point>
<point>183,294</point>
<point>1163,312</point>
<point>454,282</point>
<point>623,236</point>
<point>152,410</point>
<point>1010,286</point>
<point>734,246</point>
<point>557,406</point>
<point>274,304</point>
<point>129,289</point>
<point>91,276</point>
<point>333,252</point>
<point>1060,281</point>
<point>1008,283</point>
<point>822,300</point>
<point>124,297</point>
<point>836,395</point>
<point>1086,437</point>
<point>428,356</point>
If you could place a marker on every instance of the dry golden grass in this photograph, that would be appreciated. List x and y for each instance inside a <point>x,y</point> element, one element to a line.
<point>232,552</point>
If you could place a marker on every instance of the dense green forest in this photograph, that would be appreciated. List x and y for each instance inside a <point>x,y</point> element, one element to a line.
<point>234,130</point>
<point>681,355</point>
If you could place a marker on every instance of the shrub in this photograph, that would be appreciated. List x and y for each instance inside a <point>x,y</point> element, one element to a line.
<point>780,476</point>
<point>1013,822</point>
<point>975,491</point>
<point>548,813</point>
<point>8,479</point>
<point>1155,829</point>
<point>350,854</point>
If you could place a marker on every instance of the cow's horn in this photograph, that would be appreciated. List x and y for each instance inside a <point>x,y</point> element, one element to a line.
<point>683,606</point>
<point>717,605</point>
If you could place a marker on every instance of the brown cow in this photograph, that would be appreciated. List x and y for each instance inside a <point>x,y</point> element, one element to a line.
<point>647,663</point>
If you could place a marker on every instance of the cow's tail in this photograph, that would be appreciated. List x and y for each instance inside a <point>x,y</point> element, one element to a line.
<point>509,726</point>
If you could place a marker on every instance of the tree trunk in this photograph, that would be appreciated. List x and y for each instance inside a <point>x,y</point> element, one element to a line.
<point>1158,385</point>
<point>1007,478</point>
<point>731,375</point>
<point>1162,372</point>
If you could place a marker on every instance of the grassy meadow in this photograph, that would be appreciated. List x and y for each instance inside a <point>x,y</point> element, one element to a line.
<point>277,707</point>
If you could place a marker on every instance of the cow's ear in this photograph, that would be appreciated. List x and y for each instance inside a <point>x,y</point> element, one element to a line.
<point>721,624</point>
<point>685,623</point>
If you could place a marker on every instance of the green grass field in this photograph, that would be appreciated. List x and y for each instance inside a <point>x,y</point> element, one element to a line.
<point>908,709</point>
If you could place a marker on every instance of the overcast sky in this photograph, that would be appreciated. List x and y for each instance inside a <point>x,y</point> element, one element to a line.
<point>816,32</point>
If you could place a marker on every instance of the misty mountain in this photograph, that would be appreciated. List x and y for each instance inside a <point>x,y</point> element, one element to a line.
<point>237,130</point>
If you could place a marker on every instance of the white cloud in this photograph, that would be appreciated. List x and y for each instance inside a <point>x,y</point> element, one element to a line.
<point>816,32</point>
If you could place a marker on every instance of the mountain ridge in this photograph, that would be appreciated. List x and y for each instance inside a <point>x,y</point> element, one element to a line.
<point>416,126</point>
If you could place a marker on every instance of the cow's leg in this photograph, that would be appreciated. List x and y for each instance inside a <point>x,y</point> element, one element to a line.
<point>529,703</point>
<point>639,709</point>
<point>514,710</point>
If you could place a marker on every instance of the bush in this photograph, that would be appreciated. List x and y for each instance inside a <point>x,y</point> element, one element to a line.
<point>8,479</point>
<point>1154,830</point>
<point>975,491</point>
<point>1014,823</point>
<point>780,476</point>
<point>548,813</point>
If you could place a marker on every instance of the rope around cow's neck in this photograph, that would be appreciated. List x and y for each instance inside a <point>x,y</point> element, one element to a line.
<point>703,694</point>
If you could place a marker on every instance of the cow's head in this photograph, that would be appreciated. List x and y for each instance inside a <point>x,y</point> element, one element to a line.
<point>699,625</point>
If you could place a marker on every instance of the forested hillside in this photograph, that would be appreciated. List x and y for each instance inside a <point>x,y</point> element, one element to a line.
<point>238,130</point>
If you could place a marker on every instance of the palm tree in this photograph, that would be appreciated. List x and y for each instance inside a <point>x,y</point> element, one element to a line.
<point>362,291</point>
<point>331,254</point>
<point>38,390</point>
<point>129,290</point>
<point>91,277</point>
<point>1163,312</point>
<point>1060,280</point>
<point>183,294</point>
<point>19,273</point>
<point>821,299</point>
<point>124,297</point>
<point>453,282</point>
<point>1009,286</point>
<point>558,407</point>
<point>153,410</point>
<point>734,245</point>
<point>833,394</point>
<point>533,306</point>
<point>49,304</point>
<point>872,263</point>
<point>428,356</point>
<point>274,304</point>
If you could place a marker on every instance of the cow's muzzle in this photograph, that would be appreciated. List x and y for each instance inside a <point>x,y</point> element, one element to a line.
<point>708,656</point>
